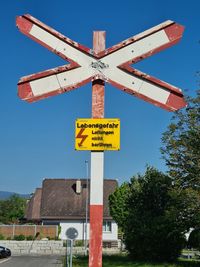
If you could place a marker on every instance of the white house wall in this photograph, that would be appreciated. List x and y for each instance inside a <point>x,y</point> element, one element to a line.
<point>80,227</point>
<point>113,235</point>
<point>75,224</point>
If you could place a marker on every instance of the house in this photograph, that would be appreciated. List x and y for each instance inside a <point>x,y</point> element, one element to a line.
<point>33,207</point>
<point>63,202</point>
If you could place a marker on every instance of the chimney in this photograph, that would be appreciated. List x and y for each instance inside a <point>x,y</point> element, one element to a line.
<point>78,186</point>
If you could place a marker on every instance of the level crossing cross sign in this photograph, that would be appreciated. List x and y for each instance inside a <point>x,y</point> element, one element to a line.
<point>100,65</point>
<point>113,65</point>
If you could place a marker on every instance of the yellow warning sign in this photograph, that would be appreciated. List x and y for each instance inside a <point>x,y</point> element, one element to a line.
<point>97,134</point>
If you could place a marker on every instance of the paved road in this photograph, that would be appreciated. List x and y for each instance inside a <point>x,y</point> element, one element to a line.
<point>32,261</point>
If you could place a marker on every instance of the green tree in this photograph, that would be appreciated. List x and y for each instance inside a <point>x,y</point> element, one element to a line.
<point>181,151</point>
<point>12,210</point>
<point>150,232</point>
<point>117,203</point>
<point>181,145</point>
<point>155,215</point>
<point>194,239</point>
<point>184,207</point>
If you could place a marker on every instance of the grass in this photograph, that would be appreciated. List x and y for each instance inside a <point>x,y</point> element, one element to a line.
<point>124,261</point>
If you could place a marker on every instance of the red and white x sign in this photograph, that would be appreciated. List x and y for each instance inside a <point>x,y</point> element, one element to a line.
<point>112,65</point>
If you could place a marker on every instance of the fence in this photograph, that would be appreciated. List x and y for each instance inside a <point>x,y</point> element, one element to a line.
<point>41,231</point>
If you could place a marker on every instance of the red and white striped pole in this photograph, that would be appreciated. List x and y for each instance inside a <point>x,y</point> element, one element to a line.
<point>97,167</point>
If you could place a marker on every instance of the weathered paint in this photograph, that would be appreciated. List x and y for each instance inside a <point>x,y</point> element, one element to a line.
<point>173,30</point>
<point>37,89</point>
<point>110,65</point>
<point>97,167</point>
<point>98,99</point>
<point>95,251</point>
<point>136,82</point>
<point>26,22</point>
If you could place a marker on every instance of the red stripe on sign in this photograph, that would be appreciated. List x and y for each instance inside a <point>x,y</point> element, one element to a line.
<point>174,32</point>
<point>96,221</point>
<point>176,101</point>
<point>25,91</point>
<point>23,24</point>
<point>44,96</point>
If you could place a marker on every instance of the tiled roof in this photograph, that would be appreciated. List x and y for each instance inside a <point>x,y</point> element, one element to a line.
<point>59,200</point>
<point>33,207</point>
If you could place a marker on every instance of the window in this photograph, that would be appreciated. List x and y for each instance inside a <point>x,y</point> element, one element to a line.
<point>107,226</point>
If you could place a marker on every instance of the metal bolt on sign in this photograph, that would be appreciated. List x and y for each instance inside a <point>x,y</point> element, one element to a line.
<point>100,65</point>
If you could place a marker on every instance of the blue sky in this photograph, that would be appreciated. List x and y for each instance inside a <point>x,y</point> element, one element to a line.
<point>37,140</point>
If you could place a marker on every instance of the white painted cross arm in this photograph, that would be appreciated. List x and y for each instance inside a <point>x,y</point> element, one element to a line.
<point>111,65</point>
<point>58,80</point>
<point>121,74</point>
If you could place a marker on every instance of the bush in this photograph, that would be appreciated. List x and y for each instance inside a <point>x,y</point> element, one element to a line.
<point>79,243</point>
<point>194,239</point>
<point>30,237</point>
<point>2,237</point>
<point>153,224</point>
<point>160,246</point>
<point>152,231</point>
<point>19,237</point>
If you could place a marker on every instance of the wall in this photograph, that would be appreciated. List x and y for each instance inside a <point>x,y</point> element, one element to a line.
<point>9,231</point>
<point>50,247</point>
<point>113,235</point>
<point>80,227</point>
<point>37,247</point>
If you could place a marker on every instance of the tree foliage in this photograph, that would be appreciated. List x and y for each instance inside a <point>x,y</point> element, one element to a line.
<point>151,233</point>
<point>12,210</point>
<point>194,239</point>
<point>181,151</point>
<point>155,215</point>
<point>117,202</point>
<point>157,209</point>
<point>181,145</point>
